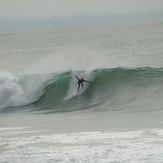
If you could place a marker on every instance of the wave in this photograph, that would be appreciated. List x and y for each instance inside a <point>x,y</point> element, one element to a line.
<point>116,89</point>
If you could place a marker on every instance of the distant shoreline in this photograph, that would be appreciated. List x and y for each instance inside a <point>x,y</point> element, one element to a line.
<point>114,19</point>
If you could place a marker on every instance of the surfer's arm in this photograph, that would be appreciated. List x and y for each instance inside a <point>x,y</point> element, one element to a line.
<point>77,77</point>
<point>86,81</point>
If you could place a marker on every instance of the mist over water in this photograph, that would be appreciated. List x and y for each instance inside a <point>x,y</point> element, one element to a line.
<point>46,52</point>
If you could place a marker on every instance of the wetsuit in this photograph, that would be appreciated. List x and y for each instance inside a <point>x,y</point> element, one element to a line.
<point>81,82</point>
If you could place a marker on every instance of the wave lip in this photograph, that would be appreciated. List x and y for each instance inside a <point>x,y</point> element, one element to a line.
<point>116,89</point>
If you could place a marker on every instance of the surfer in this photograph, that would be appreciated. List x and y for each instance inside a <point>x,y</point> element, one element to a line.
<point>80,82</point>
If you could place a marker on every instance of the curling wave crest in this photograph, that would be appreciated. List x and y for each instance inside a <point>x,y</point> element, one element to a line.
<point>116,89</point>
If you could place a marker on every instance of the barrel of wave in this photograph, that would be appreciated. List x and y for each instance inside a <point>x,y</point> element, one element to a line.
<point>73,85</point>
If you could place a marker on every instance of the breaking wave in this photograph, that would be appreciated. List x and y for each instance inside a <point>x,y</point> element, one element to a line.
<point>116,89</point>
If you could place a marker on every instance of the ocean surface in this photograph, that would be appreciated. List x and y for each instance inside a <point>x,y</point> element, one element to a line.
<point>117,117</point>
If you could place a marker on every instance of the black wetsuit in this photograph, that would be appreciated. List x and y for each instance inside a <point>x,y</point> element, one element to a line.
<point>80,82</point>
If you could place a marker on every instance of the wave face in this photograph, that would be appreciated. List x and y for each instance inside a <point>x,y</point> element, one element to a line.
<point>117,89</point>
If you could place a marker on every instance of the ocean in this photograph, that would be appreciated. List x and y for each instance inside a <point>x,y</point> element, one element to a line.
<point>117,117</point>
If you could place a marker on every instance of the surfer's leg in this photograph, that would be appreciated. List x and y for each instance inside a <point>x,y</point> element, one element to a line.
<point>78,87</point>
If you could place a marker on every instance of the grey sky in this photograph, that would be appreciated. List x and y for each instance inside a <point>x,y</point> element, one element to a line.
<point>50,8</point>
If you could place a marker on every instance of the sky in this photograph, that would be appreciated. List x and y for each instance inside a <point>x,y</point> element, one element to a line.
<point>11,9</point>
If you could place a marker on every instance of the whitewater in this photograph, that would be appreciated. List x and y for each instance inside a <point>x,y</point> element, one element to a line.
<point>117,117</point>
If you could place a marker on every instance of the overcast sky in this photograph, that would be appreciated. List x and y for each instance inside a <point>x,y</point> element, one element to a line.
<point>50,8</point>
